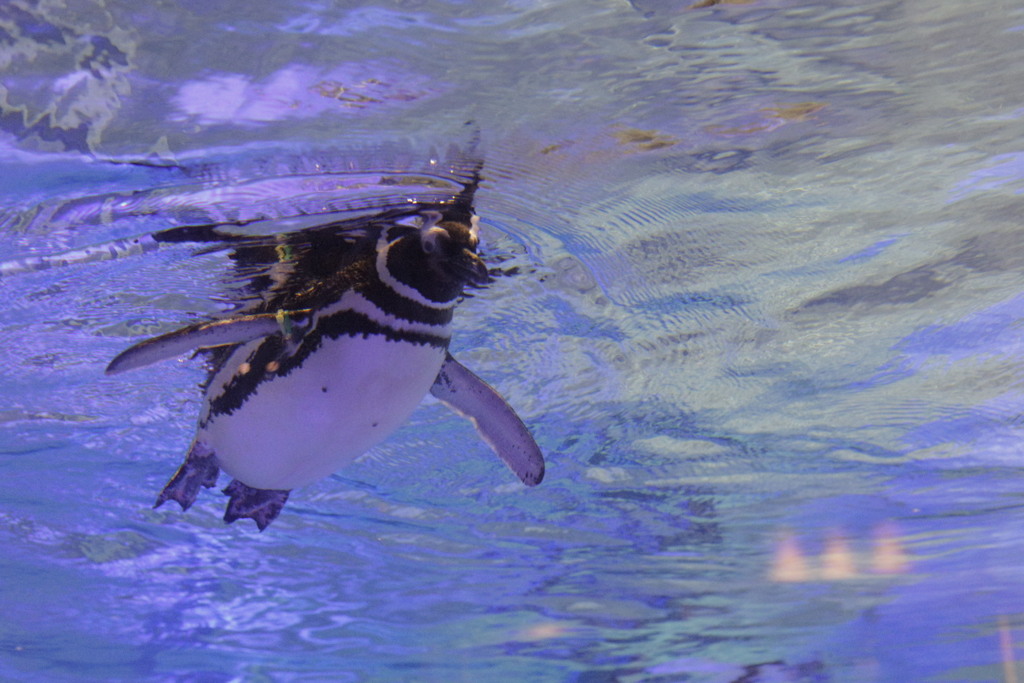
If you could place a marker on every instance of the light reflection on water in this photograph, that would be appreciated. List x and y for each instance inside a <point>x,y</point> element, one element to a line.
<point>765,324</point>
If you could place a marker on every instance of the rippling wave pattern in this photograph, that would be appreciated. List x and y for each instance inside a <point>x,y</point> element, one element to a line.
<point>761,309</point>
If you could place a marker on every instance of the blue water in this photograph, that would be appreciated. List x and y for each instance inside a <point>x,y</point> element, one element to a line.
<point>766,327</point>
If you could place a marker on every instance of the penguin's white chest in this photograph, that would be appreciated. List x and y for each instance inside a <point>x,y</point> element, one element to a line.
<point>346,397</point>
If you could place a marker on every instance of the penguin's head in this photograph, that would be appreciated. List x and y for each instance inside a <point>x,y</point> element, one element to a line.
<point>436,257</point>
<point>450,248</point>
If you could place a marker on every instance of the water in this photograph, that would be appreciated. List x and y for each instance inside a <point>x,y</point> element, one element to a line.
<point>766,327</point>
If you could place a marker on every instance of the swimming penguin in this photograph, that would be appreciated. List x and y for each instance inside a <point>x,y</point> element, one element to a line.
<point>350,331</point>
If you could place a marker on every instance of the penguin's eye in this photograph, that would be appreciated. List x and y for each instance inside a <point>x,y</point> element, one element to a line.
<point>433,239</point>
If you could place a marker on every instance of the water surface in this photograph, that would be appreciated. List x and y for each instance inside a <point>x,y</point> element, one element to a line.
<point>766,326</point>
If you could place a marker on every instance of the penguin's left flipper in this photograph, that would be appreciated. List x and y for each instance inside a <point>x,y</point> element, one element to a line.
<point>494,419</point>
<point>236,330</point>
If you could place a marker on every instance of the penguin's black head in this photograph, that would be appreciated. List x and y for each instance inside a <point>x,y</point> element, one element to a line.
<point>450,249</point>
<point>438,258</point>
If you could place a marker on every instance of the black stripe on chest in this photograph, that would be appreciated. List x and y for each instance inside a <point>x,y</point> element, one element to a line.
<point>271,359</point>
<point>387,299</point>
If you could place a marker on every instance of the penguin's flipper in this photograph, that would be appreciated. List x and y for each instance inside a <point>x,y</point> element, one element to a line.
<point>237,330</point>
<point>199,469</point>
<point>260,505</point>
<point>494,419</point>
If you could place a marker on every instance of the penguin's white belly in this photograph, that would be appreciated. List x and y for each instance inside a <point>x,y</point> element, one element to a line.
<point>345,398</point>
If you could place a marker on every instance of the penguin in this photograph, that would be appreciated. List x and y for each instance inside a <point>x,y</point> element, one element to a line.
<point>347,329</point>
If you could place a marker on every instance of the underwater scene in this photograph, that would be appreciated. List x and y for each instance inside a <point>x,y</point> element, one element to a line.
<point>746,277</point>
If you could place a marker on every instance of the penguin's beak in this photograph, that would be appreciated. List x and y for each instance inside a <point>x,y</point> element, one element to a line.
<point>471,268</point>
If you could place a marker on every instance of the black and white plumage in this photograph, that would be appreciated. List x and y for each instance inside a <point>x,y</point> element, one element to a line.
<point>348,331</point>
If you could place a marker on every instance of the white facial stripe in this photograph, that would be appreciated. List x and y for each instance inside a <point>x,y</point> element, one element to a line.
<point>399,287</point>
<point>474,227</point>
<point>430,219</point>
<point>357,303</point>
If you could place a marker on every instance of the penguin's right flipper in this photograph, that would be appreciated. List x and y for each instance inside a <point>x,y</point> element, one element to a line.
<point>494,419</point>
<point>236,330</point>
<point>260,505</point>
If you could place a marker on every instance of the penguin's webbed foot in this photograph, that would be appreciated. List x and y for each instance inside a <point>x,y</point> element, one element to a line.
<point>199,469</point>
<point>260,505</point>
